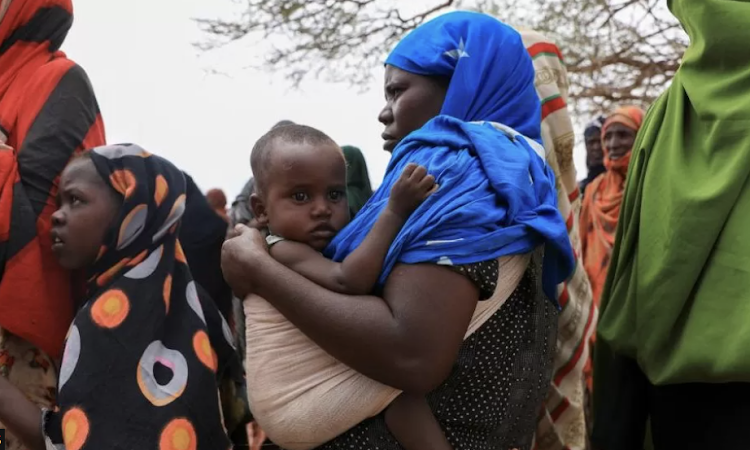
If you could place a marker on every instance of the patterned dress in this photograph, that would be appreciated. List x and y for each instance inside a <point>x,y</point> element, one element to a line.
<point>146,351</point>
<point>492,397</point>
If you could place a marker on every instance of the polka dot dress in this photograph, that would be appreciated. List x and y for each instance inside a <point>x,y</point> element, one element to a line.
<point>492,397</point>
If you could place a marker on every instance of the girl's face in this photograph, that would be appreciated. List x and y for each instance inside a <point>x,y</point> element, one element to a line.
<point>87,208</point>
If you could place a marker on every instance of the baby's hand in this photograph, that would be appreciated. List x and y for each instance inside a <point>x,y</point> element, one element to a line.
<point>411,189</point>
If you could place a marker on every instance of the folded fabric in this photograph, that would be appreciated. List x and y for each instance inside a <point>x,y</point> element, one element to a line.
<point>496,198</point>
<point>301,396</point>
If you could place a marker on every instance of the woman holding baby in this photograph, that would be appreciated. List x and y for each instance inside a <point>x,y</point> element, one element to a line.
<point>464,312</point>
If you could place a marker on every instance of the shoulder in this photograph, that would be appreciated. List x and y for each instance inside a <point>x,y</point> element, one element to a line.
<point>62,70</point>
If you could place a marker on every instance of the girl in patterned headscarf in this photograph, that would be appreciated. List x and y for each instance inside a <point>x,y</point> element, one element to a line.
<point>146,349</point>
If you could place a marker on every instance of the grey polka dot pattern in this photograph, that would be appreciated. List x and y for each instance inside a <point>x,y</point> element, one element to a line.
<point>483,275</point>
<point>492,398</point>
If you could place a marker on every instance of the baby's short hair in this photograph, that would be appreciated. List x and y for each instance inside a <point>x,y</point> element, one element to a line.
<point>295,134</point>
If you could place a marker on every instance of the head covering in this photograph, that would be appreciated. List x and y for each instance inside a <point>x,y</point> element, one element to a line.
<point>595,126</point>
<point>678,291</point>
<point>201,235</point>
<point>601,206</point>
<point>358,188</point>
<point>146,340</point>
<point>48,112</point>
<point>563,427</point>
<point>496,193</point>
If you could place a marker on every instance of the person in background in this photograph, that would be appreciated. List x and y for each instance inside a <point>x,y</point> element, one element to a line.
<point>592,137</point>
<point>358,187</point>
<point>601,207</point>
<point>48,113</point>
<point>674,334</point>
<point>562,423</point>
<point>218,201</point>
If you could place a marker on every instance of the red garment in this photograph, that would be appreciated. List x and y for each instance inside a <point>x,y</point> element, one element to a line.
<point>48,113</point>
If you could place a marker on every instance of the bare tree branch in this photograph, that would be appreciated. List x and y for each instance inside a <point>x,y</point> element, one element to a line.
<point>616,50</point>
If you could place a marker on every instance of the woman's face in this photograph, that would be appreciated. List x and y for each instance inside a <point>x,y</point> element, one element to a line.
<point>411,101</point>
<point>618,140</point>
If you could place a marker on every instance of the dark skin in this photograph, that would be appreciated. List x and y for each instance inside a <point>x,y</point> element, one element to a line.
<point>85,203</point>
<point>594,152</point>
<point>409,338</point>
<point>618,140</point>
<point>410,102</point>
<point>304,201</point>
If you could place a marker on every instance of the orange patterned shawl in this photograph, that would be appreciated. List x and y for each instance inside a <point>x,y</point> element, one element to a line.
<point>601,205</point>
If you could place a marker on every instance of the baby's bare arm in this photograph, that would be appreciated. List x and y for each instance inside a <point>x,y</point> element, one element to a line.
<point>358,273</point>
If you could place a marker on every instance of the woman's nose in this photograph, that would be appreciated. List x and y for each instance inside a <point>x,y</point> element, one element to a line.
<point>386,115</point>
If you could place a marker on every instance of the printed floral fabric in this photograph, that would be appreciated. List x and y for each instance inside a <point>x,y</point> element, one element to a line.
<point>30,370</point>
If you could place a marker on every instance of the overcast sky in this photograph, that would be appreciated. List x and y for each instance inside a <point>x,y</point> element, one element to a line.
<point>155,89</point>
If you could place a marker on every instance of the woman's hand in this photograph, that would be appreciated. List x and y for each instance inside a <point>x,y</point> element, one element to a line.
<point>240,256</point>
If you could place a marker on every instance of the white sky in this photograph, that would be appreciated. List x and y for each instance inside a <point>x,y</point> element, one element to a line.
<point>155,89</point>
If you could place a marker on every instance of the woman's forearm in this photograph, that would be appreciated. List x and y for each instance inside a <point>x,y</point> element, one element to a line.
<point>408,341</point>
<point>20,416</point>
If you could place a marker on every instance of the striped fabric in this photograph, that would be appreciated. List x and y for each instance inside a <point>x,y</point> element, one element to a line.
<point>48,112</point>
<point>562,424</point>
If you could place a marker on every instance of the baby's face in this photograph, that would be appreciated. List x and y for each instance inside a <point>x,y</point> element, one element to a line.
<point>305,198</point>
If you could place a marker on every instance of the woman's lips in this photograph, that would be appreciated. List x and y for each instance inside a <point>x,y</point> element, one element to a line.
<point>389,142</point>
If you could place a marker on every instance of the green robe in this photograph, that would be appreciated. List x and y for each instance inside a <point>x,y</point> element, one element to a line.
<point>677,297</point>
<point>358,188</point>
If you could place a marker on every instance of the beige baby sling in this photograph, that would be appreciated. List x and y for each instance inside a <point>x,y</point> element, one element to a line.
<point>303,397</point>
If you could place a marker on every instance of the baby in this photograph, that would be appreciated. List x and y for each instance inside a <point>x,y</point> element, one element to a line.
<point>300,198</point>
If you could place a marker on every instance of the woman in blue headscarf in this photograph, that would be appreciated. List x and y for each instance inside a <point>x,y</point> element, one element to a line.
<point>461,102</point>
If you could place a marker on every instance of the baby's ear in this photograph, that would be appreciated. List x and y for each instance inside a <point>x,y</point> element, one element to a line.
<point>259,210</point>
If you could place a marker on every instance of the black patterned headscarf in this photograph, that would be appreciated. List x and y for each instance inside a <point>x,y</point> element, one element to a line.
<point>144,353</point>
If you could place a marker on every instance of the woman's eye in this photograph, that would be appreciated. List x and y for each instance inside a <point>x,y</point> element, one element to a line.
<point>393,92</point>
<point>75,200</point>
<point>299,196</point>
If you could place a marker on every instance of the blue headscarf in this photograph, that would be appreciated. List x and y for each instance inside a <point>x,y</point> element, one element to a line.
<point>497,194</point>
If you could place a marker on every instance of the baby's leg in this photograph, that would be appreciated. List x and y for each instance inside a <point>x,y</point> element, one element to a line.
<point>413,425</point>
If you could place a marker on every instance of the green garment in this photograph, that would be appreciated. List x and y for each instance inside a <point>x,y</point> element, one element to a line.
<point>677,297</point>
<point>358,188</point>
